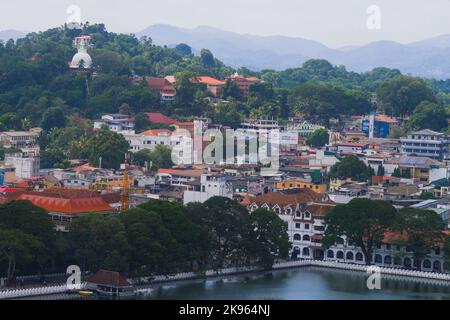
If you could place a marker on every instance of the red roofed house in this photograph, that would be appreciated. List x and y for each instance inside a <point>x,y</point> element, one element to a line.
<point>109,283</point>
<point>243,82</point>
<point>213,85</point>
<point>64,205</point>
<point>165,87</point>
<point>162,119</point>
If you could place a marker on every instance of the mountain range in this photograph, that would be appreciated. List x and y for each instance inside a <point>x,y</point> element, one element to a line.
<point>427,58</point>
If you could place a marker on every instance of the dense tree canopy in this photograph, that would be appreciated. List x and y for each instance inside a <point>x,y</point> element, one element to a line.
<point>351,167</point>
<point>401,95</point>
<point>362,221</point>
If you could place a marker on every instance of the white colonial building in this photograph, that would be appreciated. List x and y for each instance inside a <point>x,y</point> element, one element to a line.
<point>305,216</point>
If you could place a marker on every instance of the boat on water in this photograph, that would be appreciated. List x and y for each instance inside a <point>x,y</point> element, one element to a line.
<point>86,294</point>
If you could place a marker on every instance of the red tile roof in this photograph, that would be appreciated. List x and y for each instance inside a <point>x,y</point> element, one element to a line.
<point>70,202</point>
<point>209,81</point>
<point>108,278</point>
<point>288,197</point>
<point>160,118</point>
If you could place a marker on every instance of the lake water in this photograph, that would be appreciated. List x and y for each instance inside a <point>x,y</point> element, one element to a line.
<point>303,284</point>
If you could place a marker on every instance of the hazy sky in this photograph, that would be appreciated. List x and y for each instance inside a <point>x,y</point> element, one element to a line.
<point>335,23</point>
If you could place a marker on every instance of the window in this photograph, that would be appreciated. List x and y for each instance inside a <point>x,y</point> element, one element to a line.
<point>349,255</point>
<point>306,226</point>
<point>306,252</point>
<point>298,225</point>
<point>378,258</point>
<point>388,260</point>
<point>427,264</point>
<point>297,237</point>
<point>330,254</point>
<point>359,256</point>
<point>340,255</point>
<point>306,238</point>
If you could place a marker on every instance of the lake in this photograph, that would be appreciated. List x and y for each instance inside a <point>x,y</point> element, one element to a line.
<point>302,284</point>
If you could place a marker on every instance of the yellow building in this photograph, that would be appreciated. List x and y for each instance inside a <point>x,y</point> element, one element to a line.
<point>298,184</point>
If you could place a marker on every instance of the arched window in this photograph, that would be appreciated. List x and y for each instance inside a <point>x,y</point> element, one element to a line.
<point>306,252</point>
<point>306,238</point>
<point>427,264</point>
<point>407,262</point>
<point>297,237</point>
<point>340,241</point>
<point>340,255</point>
<point>359,256</point>
<point>378,258</point>
<point>437,266</point>
<point>349,255</point>
<point>387,260</point>
<point>398,261</point>
<point>330,254</point>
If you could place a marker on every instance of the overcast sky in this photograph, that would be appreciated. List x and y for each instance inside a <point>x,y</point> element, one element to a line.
<point>335,23</point>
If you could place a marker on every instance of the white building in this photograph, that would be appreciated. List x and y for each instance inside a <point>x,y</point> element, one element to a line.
<point>304,129</point>
<point>151,138</point>
<point>115,122</point>
<point>26,141</point>
<point>210,186</point>
<point>26,166</point>
<point>425,143</point>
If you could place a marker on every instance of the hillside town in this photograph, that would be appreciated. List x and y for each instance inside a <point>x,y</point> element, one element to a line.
<point>135,161</point>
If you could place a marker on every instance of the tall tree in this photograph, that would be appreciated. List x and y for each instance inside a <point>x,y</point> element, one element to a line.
<point>271,235</point>
<point>351,167</point>
<point>423,231</point>
<point>318,138</point>
<point>108,145</point>
<point>362,221</point>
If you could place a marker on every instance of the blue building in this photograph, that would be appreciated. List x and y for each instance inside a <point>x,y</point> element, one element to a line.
<point>382,126</point>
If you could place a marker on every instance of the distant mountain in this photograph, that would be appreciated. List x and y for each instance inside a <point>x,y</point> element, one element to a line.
<point>427,58</point>
<point>5,35</point>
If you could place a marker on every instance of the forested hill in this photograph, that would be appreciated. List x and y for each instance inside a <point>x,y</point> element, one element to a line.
<point>37,89</point>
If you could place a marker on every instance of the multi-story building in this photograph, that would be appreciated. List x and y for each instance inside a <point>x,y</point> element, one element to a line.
<point>115,122</point>
<point>151,138</point>
<point>212,85</point>
<point>243,83</point>
<point>26,141</point>
<point>209,186</point>
<point>303,128</point>
<point>305,217</point>
<point>425,143</point>
<point>27,166</point>
<point>165,86</point>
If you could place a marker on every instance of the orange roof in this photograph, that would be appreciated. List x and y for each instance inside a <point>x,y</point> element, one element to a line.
<point>253,79</point>
<point>247,200</point>
<point>209,81</point>
<point>70,202</point>
<point>84,167</point>
<point>157,132</point>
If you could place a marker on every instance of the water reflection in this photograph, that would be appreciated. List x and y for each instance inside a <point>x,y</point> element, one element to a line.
<point>303,284</point>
